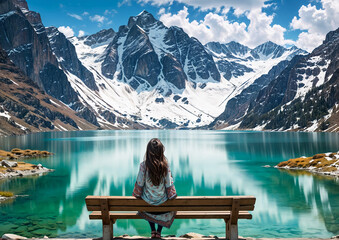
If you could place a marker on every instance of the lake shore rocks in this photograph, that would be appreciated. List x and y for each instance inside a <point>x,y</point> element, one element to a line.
<point>195,236</point>
<point>8,164</point>
<point>23,169</point>
<point>10,167</point>
<point>323,163</point>
<point>9,236</point>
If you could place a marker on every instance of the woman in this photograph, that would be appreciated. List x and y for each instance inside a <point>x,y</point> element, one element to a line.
<point>155,186</point>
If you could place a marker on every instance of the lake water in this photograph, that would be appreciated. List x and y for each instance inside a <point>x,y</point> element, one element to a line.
<point>289,204</point>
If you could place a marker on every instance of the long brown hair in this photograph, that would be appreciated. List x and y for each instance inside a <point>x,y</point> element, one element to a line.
<point>156,162</point>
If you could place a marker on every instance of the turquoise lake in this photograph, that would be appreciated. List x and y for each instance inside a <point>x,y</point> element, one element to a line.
<point>289,203</point>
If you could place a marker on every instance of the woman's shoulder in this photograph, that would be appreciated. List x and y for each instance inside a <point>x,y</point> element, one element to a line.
<point>143,165</point>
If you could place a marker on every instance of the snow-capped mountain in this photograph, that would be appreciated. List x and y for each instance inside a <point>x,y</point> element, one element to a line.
<point>304,96</point>
<point>154,75</point>
<point>238,106</point>
<point>248,70</point>
<point>147,75</point>
<point>25,40</point>
<point>67,57</point>
<point>161,77</point>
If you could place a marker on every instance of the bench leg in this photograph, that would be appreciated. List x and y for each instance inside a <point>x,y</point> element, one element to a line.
<point>231,231</point>
<point>107,231</point>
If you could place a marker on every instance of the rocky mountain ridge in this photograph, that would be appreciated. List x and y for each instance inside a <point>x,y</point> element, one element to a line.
<point>25,108</point>
<point>48,58</point>
<point>162,68</point>
<point>147,75</point>
<point>303,97</point>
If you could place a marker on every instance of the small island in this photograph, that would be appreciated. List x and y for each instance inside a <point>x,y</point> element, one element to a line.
<point>10,166</point>
<point>324,163</point>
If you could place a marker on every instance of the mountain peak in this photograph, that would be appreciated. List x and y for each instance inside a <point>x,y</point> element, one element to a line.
<point>331,36</point>
<point>100,37</point>
<point>268,48</point>
<point>237,48</point>
<point>21,4</point>
<point>143,19</point>
<point>269,43</point>
<point>143,13</point>
<point>231,49</point>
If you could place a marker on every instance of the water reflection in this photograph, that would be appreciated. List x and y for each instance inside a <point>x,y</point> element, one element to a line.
<point>289,204</point>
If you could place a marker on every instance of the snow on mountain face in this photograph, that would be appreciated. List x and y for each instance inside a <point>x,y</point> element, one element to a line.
<point>67,57</point>
<point>102,37</point>
<point>268,50</point>
<point>144,74</point>
<point>161,77</point>
<point>242,66</point>
<point>304,96</point>
<point>231,49</point>
<point>145,53</point>
<point>152,74</point>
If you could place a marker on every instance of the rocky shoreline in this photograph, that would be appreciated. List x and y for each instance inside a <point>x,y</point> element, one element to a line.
<point>323,163</point>
<point>169,237</point>
<point>34,170</point>
<point>11,167</point>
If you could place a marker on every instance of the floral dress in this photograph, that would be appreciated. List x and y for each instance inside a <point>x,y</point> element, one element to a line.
<point>155,195</point>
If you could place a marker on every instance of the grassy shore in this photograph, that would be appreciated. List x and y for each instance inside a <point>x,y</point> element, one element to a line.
<point>17,154</point>
<point>6,194</point>
<point>21,168</point>
<point>324,163</point>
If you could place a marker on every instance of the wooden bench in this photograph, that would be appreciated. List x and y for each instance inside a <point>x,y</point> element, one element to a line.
<point>230,208</point>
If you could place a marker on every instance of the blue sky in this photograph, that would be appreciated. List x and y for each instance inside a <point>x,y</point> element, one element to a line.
<point>250,22</point>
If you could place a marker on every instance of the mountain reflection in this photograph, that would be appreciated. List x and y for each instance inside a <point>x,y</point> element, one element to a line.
<point>289,204</point>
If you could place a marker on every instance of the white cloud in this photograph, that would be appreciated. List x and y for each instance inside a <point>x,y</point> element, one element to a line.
<point>239,5</point>
<point>81,33</point>
<point>215,27</point>
<point>85,13</point>
<point>97,18</point>
<point>161,11</point>
<point>67,31</point>
<point>76,16</point>
<point>261,30</point>
<point>124,2</point>
<point>316,23</point>
<point>110,12</point>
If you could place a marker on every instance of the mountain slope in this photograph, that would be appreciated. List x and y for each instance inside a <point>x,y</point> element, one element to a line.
<point>150,52</point>
<point>23,37</point>
<point>66,54</point>
<point>25,40</point>
<point>152,74</point>
<point>303,96</point>
<point>24,108</point>
<point>237,107</point>
<point>249,70</point>
<point>167,78</point>
<point>147,75</point>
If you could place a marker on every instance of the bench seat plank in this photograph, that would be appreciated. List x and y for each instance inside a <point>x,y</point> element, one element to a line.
<point>150,208</point>
<point>229,208</point>
<point>180,215</point>
<point>180,200</point>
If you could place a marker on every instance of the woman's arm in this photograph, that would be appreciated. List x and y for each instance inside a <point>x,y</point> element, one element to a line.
<point>140,182</point>
<point>169,184</point>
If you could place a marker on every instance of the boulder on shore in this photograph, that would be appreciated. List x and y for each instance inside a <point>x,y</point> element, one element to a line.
<point>9,236</point>
<point>192,235</point>
<point>8,164</point>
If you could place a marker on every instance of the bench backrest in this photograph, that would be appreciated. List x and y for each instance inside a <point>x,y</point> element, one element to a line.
<point>184,203</point>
